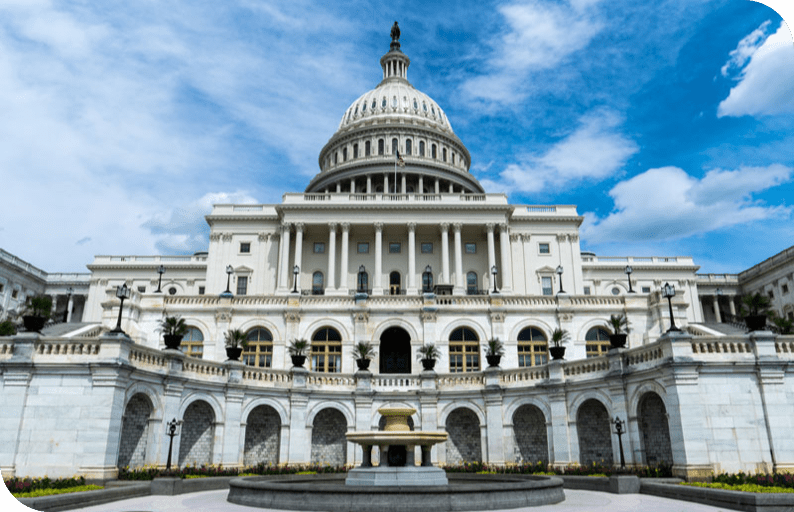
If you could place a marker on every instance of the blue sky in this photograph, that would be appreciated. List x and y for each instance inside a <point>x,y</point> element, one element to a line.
<point>669,123</point>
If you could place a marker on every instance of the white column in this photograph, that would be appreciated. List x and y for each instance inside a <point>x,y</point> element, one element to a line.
<point>458,259</point>
<point>732,305</point>
<point>338,187</point>
<point>385,183</point>
<point>352,185</point>
<point>298,250</point>
<point>438,187</point>
<point>331,282</point>
<point>716,303</point>
<point>411,258</point>
<point>69,306</point>
<point>421,185</point>
<point>403,188</point>
<point>451,188</point>
<point>507,268</point>
<point>377,288</point>
<point>491,250</point>
<point>444,279</point>
<point>344,263</point>
<point>369,184</point>
<point>283,285</point>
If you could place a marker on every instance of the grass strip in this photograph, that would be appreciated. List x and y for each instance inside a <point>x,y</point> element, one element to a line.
<point>50,492</point>
<point>740,487</point>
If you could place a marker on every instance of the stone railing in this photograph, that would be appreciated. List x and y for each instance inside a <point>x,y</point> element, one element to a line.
<point>145,356</point>
<point>460,380</point>
<point>726,345</point>
<point>379,197</point>
<point>98,260</point>
<point>204,368</point>
<point>644,260</point>
<point>59,347</point>
<point>784,346</point>
<point>331,380</point>
<point>382,382</point>
<point>537,300</point>
<point>463,300</point>
<point>6,347</point>
<point>586,366</point>
<point>523,375</point>
<point>646,354</point>
<point>266,377</point>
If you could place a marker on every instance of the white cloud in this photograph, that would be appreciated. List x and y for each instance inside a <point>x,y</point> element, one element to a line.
<point>539,35</point>
<point>667,203</point>
<point>595,151</point>
<point>766,81</point>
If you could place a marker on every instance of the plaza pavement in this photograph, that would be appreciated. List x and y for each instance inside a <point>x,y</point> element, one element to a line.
<point>578,501</point>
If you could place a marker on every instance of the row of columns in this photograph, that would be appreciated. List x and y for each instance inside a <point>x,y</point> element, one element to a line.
<point>403,185</point>
<point>716,305</point>
<point>505,269</point>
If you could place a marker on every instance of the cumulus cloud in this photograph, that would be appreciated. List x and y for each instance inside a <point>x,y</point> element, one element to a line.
<point>594,151</point>
<point>539,35</point>
<point>667,203</point>
<point>764,69</point>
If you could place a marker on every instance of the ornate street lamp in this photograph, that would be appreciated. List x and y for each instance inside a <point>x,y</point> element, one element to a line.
<point>161,271</point>
<point>229,272</point>
<point>619,424</point>
<point>427,280</point>
<point>171,433</point>
<point>361,285</point>
<point>668,291</point>
<point>69,290</point>
<point>559,276</point>
<point>122,292</point>
<point>295,271</point>
<point>494,271</point>
<point>628,272</point>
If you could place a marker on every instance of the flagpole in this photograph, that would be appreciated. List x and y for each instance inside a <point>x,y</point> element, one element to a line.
<point>397,152</point>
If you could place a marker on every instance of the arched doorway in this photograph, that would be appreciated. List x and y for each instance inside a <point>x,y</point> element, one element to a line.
<point>135,431</point>
<point>394,283</point>
<point>395,351</point>
<point>655,431</point>
<point>595,435</point>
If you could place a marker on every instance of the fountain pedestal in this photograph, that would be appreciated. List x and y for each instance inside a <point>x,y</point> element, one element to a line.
<point>393,469</point>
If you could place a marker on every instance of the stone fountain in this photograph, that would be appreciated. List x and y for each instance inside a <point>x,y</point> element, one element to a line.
<point>397,444</point>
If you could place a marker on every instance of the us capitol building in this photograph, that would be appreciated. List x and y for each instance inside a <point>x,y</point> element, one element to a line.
<point>395,243</point>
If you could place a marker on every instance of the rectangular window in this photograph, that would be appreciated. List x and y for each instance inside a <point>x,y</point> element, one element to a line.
<point>394,247</point>
<point>363,248</point>
<point>546,284</point>
<point>544,249</point>
<point>427,248</point>
<point>245,247</point>
<point>783,287</point>
<point>646,289</point>
<point>587,290</point>
<point>319,247</point>
<point>471,248</point>
<point>242,285</point>
<point>142,289</point>
<point>201,290</point>
<point>14,294</point>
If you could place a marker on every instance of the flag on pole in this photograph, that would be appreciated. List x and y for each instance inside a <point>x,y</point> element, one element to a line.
<point>400,160</point>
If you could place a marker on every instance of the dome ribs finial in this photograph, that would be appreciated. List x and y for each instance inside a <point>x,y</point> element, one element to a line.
<point>395,38</point>
<point>395,63</point>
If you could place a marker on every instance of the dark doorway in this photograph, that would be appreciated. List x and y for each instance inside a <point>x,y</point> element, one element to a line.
<point>395,351</point>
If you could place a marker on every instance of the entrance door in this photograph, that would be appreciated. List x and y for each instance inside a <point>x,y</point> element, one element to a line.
<point>395,351</point>
<point>394,283</point>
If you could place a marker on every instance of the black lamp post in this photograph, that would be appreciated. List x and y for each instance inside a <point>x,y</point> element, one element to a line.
<point>361,288</point>
<point>122,292</point>
<point>171,433</point>
<point>668,291</point>
<point>161,271</point>
<point>69,290</point>
<point>229,272</point>
<point>427,280</point>
<point>559,276</point>
<point>628,274</point>
<point>494,271</point>
<point>619,424</point>
<point>295,271</point>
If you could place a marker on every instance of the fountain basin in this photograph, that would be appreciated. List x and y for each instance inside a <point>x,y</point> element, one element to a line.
<point>329,493</point>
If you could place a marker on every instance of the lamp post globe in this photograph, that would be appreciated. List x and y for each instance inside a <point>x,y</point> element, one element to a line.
<point>628,272</point>
<point>668,292</point>
<point>122,292</point>
<point>295,271</point>
<point>559,276</point>
<point>161,271</point>
<point>494,272</point>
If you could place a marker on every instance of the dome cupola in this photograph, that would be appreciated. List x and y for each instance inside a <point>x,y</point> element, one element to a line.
<point>394,124</point>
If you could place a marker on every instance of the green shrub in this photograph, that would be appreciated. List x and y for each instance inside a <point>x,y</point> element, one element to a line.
<point>151,472</point>
<point>7,328</point>
<point>50,492</point>
<point>784,480</point>
<point>740,487</point>
<point>24,485</point>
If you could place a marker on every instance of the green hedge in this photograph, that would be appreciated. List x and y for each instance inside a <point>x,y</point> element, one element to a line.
<point>50,492</point>
<point>150,472</point>
<point>541,468</point>
<point>24,485</point>
<point>740,487</point>
<point>784,480</point>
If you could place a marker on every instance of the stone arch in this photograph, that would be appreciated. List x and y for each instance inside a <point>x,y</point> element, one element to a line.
<point>320,406</point>
<point>395,322</point>
<point>209,399</point>
<point>263,323</point>
<point>537,323</point>
<point>530,433</point>
<point>274,404</point>
<point>394,351</point>
<point>449,408</point>
<point>464,443</point>
<point>482,334</point>
<point>135,431</point>
<point>620,285</point>
<point>180,290</point>
<point>262,436</point>
<point>309,331</point>
<point>197,435</point>
<point>328,443</point>
<point>654,430</point>
<point>150,393</point>
<point>595,434</point>
<point>593,394</point>
<point>511,407</point>
<point>595,322</point>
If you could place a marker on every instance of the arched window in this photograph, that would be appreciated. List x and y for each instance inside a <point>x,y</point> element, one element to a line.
<point>408,146</point>
<point>533,348</point>
<point>416,105</point>
<point>464,351</point>
<point>355,150</point>
<point>374,104</point>
<point>363,282</point>
<point>471,283</point>
<point>597,340</point>
<point>383,102</point>
<point>421,148</point>
<point>381,145</point>
<point>327,351</point>
<point>193,343</point>
<point>394,283</point>
<point>336,157</point>
<point>344,154</point>
<point>444,154</point>
<point>394,101</point>
<point>318,283</point>
<point>433,151</point>
<point>394,146</point>
<point>259,351</point>
<point>367,148</point>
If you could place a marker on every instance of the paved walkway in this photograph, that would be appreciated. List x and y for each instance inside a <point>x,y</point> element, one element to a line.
<point>579,501</point>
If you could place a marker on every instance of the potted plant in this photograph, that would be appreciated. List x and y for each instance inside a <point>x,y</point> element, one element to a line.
<point>37,313</point>
<point>235,343</point>
<point>620,330</point>
<point>428,353</point>
<point>558,337</point>
<point>494,352</point>
<point>754,310</point>
<point>363,352</point>
<point>784,325</point>
<point>7,328</point>
<point>297,351</point>
<point>174,329</point>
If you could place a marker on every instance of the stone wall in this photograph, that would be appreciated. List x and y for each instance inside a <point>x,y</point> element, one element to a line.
<point>329,445</point>
<point>262,433</point>
<point>195,446</point>
<point>655,430</point>
<point>134,432</point>
<point>529,429</point>
<point>464,443</point>
<point>595,443</point>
